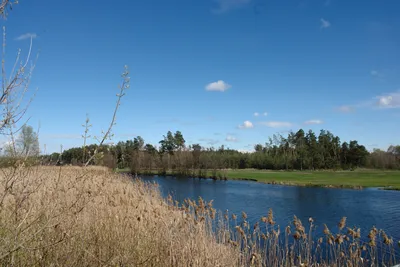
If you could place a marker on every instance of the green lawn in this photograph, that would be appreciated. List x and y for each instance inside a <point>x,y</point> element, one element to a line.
<point>364,178</point>
<point>348,179</point>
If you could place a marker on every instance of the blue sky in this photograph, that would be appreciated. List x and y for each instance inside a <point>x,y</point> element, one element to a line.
<point>205,67</point>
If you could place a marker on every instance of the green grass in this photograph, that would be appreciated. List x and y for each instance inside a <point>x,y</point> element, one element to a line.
<point>359,178</point>
<point>124,170</point>
<point>348,179</point>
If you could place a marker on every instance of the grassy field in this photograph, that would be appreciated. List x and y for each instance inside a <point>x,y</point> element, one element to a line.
<point>347,179</point>
<point>359,178</point>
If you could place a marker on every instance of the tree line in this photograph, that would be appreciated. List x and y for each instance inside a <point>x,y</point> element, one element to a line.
<point>296,151</point>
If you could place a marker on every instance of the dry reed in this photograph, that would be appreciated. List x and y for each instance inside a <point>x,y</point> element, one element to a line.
<point>71,216</point>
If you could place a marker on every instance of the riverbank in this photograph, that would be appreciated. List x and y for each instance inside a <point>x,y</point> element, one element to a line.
<point>336,179</point>
<point>357,179</point>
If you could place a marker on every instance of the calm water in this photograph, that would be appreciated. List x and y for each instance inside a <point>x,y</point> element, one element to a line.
<point>363,208</point>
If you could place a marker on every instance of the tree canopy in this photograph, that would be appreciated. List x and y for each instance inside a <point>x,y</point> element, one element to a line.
<point>301,150</point>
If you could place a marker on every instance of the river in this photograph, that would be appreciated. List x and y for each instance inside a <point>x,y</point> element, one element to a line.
<point>363,208</point>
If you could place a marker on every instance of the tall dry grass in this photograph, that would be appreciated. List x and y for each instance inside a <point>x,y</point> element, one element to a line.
<point>263,243</point>
<point>72,216</point>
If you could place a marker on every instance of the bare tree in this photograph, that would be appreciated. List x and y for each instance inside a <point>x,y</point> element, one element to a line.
<point>107,134</point>
<point>13,95</point>
<point>14,101</point>
<point>5,4</point>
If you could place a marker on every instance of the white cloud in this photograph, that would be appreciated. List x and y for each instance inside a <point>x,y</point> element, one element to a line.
<point>391,100</point>
<point>231,138</point>
<point>227,5</point>
<point>265,114</point>
<point>325,24</point>
<point>309,122</point>
<point>277,124</point>
<point>246,125</point>
<point>26,36</point>
<point>220,86</point>
<point>256,114</point>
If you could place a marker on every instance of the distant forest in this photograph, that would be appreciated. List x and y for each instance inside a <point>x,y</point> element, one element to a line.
<point>297,151</point>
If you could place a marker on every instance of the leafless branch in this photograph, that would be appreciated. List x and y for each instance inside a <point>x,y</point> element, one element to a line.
<point>125,85</point>
<point>14,90</point>
<point>85,137</point>
<point>3,6</point>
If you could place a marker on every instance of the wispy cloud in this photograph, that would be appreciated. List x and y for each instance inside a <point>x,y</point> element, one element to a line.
<point>384,101</point>
<point>246,125</point>
<point>230,138</point>
<point>374,73</point>
<point>209,141</point>
<point>220,86</point>
<point>26,36</point>
<point>310,122</point>
<point>227,5</point>
<point>325,24</point>
<point>256,114</point>
<point>276,124</point>
<point>345,109</point>
<point>391,100</point>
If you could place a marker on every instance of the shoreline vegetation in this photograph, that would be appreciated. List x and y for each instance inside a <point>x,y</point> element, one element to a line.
<point>69,216</point>
<point>298,159</point>
<point>358,179</point>
<point>303,151</point>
